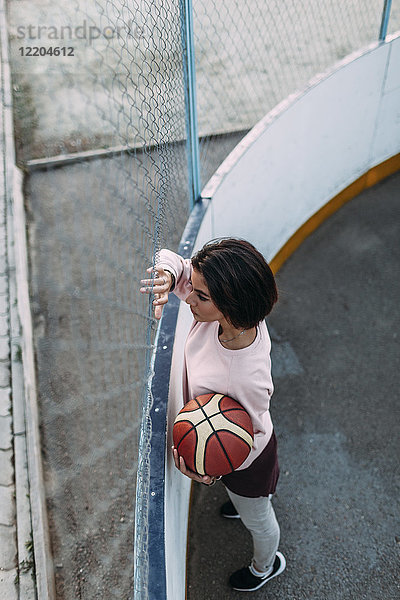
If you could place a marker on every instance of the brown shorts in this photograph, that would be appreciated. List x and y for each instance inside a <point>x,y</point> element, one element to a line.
<point>260,478</point>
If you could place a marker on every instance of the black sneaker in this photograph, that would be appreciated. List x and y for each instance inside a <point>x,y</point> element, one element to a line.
<point>228,511</point>
<point>244,580</point>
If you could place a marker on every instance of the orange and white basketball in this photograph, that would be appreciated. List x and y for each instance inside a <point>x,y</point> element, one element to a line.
<point>214,434</point>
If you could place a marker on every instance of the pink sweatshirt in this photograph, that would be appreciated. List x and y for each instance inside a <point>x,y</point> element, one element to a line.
<point>244,374</point>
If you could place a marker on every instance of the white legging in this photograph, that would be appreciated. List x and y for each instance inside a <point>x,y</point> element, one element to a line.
<point>258,516</point>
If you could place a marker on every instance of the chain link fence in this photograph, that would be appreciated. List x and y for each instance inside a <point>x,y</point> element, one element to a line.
<point>101,132</point>
<point>251,55</point>
<point>394,17</point>
<point>111,109</point>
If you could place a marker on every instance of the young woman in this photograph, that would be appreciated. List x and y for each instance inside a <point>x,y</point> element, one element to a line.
<point>230,289</point>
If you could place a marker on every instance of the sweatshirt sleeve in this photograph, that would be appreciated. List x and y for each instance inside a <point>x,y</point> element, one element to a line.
<point>181,269</point>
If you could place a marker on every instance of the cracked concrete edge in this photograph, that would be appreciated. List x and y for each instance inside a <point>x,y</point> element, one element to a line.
<point>41,538</point>
<point>31,515</point>
<point>8,570</point>
<point>27,585</point>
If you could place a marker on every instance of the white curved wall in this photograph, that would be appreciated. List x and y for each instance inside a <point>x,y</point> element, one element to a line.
<point>310,148</point>
<point>294,161</point>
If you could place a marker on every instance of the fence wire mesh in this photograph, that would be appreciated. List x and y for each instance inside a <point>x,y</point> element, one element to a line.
<point>96,223</point>
<point>251,55</point>
<point>394,18</point>
<point>94,227</point>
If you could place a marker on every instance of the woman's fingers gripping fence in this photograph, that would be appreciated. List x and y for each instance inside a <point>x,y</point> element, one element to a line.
<point>159,286</point>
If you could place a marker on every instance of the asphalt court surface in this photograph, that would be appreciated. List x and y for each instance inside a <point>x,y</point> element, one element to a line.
<point>335,336</point>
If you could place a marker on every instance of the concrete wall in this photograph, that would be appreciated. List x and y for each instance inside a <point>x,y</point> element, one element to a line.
<point>310,148</point>
<point>302,154</point>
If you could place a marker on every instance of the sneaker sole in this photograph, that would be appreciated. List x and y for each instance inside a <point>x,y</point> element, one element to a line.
<point>282,567</point>
<point>230,516</point>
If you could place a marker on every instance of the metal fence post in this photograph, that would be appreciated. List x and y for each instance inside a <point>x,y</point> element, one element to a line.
<point>385,20</point>
<point>189,69</point>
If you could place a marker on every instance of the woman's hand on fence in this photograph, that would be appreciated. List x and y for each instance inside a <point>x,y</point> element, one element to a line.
<point>181,466</point>
<point>160,286</point>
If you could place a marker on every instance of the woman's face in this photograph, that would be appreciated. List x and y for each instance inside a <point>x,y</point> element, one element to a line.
<point>199,300</point>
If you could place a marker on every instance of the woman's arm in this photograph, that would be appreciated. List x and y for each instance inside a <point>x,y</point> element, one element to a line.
<point>180,268</point>
<point>171,273</point>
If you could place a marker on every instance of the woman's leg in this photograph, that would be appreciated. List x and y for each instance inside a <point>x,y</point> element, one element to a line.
<point>258,516</point>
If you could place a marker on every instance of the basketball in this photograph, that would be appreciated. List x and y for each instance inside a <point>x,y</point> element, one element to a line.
<point>214,434</point>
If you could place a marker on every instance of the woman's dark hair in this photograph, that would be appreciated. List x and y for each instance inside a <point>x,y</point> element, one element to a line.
<point>240,282</point>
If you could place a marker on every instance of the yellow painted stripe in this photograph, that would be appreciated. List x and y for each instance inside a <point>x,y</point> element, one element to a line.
<point>369,179</point>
